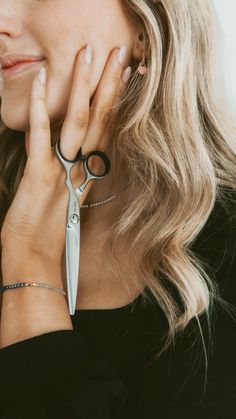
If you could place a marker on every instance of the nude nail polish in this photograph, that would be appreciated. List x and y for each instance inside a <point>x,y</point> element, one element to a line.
<point>121,55</point>
<point>88,54</point>
<point>126,74</point>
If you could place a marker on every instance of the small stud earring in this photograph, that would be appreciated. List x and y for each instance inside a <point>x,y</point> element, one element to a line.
<point>142,68</point>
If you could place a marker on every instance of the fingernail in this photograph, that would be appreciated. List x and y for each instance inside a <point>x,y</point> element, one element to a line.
<point>88,54</point>
<point>121,55</point>
<point>126,74</point>
<point>42,75</point>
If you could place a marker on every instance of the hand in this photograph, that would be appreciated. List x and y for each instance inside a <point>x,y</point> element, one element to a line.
<point>36,218</point>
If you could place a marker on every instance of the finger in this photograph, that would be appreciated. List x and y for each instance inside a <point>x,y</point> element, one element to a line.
<point>39,136</point>
<point>125,77</point>
<point>119,97</point>
<point>77,117</point>
<point>106,95</point>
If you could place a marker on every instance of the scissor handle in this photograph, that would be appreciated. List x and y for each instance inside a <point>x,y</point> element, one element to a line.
<point>85,159</point>
<point>75,160</point>
<point>103,157</point>
<point>90,175</point>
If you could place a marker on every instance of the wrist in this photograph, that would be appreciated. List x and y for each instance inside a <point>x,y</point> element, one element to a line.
<point>23,266</point>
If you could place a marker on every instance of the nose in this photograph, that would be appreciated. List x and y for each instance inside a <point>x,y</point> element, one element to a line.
<point>10,20</point>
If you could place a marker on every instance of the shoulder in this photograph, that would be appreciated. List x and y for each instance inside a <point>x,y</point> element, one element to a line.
<point>216,245</point>
<point>220,228</point>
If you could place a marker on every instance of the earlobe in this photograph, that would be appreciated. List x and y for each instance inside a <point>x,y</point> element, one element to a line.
<point>142,68</point>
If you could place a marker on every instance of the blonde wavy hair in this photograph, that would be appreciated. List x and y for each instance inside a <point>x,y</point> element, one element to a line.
<point>174,133</point>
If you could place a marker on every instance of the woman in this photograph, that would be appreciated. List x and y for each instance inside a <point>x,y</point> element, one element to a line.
<point>153,331</point>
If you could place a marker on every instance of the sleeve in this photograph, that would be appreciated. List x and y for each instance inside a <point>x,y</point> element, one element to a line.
<point>57,375</point>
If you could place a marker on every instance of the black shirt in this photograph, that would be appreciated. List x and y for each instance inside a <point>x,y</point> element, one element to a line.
<point>105,367</point>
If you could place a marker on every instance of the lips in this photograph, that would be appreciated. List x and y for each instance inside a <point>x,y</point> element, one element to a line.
<point>14,65</point>
<point>9,60</point>
<point>5,66</point>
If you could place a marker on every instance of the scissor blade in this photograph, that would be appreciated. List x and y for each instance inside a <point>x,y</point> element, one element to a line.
<point>72,263</point>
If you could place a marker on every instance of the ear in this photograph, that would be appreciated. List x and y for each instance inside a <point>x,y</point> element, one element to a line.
<point>139,46</point>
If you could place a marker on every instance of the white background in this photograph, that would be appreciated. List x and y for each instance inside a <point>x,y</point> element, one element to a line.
<point>226,10</point>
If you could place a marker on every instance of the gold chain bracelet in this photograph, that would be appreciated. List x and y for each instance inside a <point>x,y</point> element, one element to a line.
<point>32,284</point>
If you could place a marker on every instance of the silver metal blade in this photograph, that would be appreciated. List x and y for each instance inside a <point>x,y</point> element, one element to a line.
<point>72,263</point>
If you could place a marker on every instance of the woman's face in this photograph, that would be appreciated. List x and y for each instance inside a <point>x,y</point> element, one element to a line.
<point>56,30</point>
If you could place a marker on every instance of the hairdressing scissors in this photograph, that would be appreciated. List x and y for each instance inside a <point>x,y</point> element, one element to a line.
<point>73,215</point>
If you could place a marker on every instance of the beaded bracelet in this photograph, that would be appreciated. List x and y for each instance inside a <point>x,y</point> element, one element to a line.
<point>31,284</point>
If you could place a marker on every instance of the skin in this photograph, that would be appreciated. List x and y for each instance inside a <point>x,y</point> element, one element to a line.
<point>44,28</point>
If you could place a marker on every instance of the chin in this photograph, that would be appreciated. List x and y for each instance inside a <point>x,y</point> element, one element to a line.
<point>15,122</point>
<point>15,117</point>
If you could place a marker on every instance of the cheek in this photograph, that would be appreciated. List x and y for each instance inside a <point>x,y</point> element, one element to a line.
<point>15,96</point>
<point>58,86</point>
